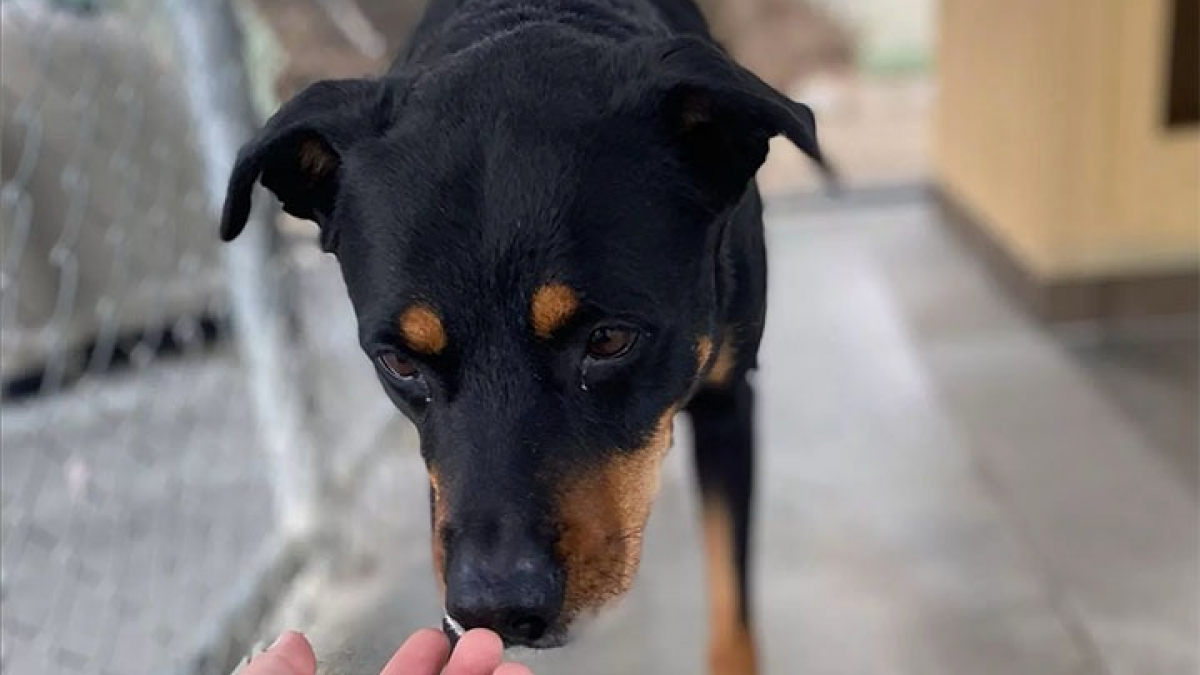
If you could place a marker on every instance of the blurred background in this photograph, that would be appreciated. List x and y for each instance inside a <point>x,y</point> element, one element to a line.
<point>979,388</point>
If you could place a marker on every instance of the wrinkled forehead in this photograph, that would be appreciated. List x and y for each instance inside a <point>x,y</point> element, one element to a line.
<point>475,230</point>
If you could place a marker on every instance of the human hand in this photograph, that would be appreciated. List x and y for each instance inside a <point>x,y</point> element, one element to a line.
<point>426,652</point>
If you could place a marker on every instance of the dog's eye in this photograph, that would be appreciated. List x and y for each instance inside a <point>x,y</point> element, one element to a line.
<point>611,342</point>
<point>398,367</point>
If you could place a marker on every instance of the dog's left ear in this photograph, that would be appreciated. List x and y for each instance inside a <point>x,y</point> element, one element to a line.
<point>720,115</point>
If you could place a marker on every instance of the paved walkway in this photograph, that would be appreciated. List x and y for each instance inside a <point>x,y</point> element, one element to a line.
<point>131,505</point>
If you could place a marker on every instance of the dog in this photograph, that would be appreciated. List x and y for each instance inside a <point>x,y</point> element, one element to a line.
<point>546,217</point>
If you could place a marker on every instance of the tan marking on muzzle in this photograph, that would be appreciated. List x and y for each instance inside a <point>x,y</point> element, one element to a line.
<point>422,330</point>
<point>437,543</point>
<point>552,306</point>
<point>603,513</point>
<point>731,648</point>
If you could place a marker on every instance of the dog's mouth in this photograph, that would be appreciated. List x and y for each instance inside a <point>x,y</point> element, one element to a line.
<point>551,639</point>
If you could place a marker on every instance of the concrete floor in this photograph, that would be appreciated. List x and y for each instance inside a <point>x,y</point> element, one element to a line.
<point>1149,370</point>
<point>946,488</point>
<point>130,505</point>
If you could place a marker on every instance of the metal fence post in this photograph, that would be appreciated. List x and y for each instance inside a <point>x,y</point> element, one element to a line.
<point>210,45</point>
<point>209,41</point>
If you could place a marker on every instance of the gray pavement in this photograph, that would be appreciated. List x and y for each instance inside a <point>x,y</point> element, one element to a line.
<point>945,489</point>
<point>130,506</point>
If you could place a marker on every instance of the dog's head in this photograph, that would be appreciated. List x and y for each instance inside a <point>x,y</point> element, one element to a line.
<point>531,249</point>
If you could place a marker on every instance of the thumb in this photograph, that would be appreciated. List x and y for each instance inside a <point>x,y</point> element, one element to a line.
<point>290,655</point>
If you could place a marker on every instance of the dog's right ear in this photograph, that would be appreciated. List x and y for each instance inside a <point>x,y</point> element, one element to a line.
<point>298,153</point>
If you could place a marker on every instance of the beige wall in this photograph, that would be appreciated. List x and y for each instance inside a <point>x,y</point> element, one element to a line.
<point>1048,128</point>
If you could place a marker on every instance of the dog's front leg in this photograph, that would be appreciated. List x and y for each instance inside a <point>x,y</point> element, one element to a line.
<point>723,420</point>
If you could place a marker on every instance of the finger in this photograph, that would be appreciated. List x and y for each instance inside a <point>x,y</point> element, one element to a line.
<point>424,653</point>
<point>513,669</point>
<point>290,655</point>
<point>479,652</point>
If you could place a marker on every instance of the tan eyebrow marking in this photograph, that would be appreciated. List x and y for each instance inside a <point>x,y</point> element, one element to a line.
<point>422,329</point>
<point>553,304</point>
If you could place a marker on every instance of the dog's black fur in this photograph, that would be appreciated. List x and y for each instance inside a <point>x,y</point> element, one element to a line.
<point>604,149</point>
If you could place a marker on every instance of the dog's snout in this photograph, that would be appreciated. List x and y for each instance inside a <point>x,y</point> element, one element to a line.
<point>518,620</point>
<point>516,592</point>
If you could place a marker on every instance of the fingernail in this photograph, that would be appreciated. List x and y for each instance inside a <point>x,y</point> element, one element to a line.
<point>279,639</point>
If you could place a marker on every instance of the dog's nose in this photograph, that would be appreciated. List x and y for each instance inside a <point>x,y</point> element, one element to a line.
<point>517,595</point>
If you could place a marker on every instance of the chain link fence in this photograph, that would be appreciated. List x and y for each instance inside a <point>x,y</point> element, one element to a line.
<point>159,485</point>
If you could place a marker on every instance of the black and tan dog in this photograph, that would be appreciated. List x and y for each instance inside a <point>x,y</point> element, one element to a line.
<point>547,221</point>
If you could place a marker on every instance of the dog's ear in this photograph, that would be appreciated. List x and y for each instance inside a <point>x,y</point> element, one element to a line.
<point>298,153</point>
<point>720,115</point>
